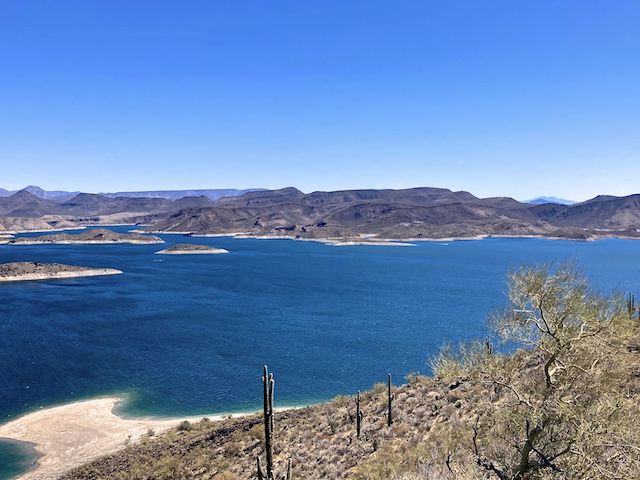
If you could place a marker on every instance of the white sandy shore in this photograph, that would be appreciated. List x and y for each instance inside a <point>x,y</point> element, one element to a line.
<point>163,232</point>
<point>372,240</point>
<point>91,272</point>
<point>71,435</point>
<point>379,243</point>
<point>338,242</point>
<point>209,251</point>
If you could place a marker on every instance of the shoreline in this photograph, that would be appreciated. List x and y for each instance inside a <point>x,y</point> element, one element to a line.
<point>366,239</point>
<point>49,230</point>
<point>212,251</point>
<point>92,272</point>
<point>69,435</point>
<point>371,241</point>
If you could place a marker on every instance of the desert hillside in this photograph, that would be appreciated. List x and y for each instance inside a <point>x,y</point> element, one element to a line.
<point>562,405</point>
<point>349,214</point>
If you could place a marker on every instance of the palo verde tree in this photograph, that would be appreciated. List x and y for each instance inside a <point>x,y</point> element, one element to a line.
<point>562,406</point>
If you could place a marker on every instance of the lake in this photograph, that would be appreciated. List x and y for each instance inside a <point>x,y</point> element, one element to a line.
<point>186,335</point>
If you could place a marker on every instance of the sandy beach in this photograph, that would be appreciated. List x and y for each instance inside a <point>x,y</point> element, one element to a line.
<point>70,435</point>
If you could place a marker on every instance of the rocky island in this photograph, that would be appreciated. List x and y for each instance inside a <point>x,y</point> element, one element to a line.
<point>19,271</point>
<point>190,249</point>
<point>96,236</point>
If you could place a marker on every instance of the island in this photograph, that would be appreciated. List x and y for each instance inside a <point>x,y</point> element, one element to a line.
<point>99,236</point>
<point>20,271</point>
<point>191,249</point>
<point>5,238</point>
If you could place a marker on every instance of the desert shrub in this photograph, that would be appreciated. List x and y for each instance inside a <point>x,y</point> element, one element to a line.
<point>456,362</point>
<point>342,401</point>
<point>559,409</point>
<point>257,432</point>
<point>414,378</point>
<point>226,475</point>
<point>184,426</point>
<point>561,406</point>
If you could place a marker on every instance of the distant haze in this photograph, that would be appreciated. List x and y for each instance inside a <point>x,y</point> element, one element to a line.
<point>543,200</point>
<point>60,195</point>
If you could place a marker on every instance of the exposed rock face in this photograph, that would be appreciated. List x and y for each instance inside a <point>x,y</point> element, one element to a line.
<point>95,236</point>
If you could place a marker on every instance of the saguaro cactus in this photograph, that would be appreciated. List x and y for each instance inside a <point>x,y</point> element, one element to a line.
<point>390,398</point>
<point>289,472</point>
<point>358,415</point>
<point>268,385</point>
<point>259,468</point>
<point>631,304</point>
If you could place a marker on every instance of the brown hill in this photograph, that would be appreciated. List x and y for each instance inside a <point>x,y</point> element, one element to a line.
<point>394,214</point>
<point>24,204</point>
<point>398,214</point>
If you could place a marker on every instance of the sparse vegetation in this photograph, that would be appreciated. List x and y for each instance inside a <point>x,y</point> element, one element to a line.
<point>561,404</point>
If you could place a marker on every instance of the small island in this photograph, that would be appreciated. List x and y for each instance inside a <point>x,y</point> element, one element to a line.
<point>20,271</point>
<point>191,249</point>
<point>97,236</point>
<point>5,238</point>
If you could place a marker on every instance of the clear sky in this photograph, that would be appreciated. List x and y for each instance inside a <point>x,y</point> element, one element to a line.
<point>518,98</point>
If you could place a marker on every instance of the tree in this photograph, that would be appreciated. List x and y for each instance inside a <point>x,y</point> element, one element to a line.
<point>560,406</point>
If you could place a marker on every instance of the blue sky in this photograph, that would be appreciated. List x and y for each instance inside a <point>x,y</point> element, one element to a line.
<point>495,97</point>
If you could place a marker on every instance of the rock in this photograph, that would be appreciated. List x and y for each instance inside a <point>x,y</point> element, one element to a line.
<point>454,385</point>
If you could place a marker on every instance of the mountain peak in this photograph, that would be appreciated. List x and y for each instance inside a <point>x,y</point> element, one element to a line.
<point>35,190</point>
<point>543,200</point>
<point>24,194</point>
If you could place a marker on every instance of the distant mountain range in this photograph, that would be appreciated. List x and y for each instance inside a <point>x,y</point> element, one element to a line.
<point>212,194</point>
<point>349,214</point>
<point>60,195</point>
<point>404,214</point>
<point>543,200</point>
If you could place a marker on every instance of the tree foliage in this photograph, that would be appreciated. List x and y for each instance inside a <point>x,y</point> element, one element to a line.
<point>563,406</point>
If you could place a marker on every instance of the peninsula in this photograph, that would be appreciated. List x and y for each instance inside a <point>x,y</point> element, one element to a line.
<point>96,236</point>
<point>20,271</point>
<point>69,435</point>
<point>191,249</point>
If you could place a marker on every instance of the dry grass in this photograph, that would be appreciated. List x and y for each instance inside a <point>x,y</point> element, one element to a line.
<point>568,401</point>
<point>320,440</point>
<point>430,422</point>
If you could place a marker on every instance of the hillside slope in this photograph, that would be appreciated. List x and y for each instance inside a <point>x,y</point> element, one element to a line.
<point>413,213</point>
<point>400,214</point>
<point>562,406</point>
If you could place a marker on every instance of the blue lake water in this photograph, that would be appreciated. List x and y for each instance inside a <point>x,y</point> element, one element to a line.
<point>185,335</point>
